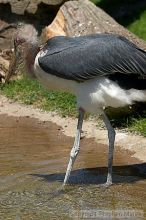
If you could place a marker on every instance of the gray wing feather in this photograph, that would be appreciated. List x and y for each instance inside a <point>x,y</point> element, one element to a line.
<point>84,58</point>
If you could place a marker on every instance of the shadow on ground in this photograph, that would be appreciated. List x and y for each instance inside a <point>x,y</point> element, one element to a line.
<point>121,174</point>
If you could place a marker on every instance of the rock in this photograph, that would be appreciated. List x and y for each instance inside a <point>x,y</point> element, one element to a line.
<point>30,6</point>
<point>4,63</point>
<point>82,17</point>
<point>57,27</point>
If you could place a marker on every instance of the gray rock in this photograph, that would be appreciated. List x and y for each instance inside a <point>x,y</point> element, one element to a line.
<point>31,6</point>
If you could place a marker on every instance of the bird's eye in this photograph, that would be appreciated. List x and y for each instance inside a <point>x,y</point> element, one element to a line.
<point>18,41</point>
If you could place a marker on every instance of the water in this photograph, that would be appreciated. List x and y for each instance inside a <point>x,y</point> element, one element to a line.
<point>33,160</point>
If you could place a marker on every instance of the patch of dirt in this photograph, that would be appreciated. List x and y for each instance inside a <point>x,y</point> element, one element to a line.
<point>132,142</point>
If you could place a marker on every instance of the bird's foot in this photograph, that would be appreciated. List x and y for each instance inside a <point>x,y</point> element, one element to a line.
<point>57,192</point>
<point>63,187</point>
<point>105,185</point>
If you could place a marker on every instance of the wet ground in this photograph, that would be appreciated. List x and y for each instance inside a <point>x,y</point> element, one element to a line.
<point>33,160</point>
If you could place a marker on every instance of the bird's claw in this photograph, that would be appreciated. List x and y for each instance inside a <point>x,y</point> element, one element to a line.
<point>63,187</point>
<point>105,185</point>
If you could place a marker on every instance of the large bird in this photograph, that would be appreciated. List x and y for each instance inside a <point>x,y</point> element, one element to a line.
<point>102,70</point>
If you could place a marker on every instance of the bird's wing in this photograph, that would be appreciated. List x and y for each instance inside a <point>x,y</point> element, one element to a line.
<point>84,58</point>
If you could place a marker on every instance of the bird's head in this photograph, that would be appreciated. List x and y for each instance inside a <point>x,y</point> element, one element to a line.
<point>25,47</point>
<point>26,34</point>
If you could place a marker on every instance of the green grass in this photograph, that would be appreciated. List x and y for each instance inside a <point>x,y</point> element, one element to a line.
<point>138,125</point>
<point>139,26</point>
<point>32,93</point>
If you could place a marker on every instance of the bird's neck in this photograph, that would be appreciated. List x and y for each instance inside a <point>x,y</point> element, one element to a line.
<point>30,54</point>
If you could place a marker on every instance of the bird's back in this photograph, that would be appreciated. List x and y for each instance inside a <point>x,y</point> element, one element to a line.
<point>86,57</point>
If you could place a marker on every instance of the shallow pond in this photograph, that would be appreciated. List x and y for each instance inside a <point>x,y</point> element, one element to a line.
<point>33,160</point>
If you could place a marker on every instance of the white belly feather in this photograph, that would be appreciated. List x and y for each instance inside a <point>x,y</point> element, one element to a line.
<point>95,94</point>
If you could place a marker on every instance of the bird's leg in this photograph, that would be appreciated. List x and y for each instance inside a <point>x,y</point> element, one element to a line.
<point>76,147</point>
<point>111,137</point>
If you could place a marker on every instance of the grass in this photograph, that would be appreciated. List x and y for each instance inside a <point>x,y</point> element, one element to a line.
<point>32,93</point>
<point>138,125</point>
<point>139,26</point>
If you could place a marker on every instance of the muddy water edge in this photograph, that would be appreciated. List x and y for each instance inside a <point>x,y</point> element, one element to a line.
<point>33,160</point>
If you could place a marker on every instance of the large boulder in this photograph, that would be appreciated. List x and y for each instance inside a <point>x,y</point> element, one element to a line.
<point>30,6</point>
<point>82,17</point>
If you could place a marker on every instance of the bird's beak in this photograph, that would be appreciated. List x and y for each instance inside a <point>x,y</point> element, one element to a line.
<point>13,62</point>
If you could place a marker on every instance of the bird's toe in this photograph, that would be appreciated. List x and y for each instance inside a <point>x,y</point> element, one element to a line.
<point>105,185</point>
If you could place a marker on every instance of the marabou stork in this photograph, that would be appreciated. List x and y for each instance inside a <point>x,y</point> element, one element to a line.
<point>102,70</point>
